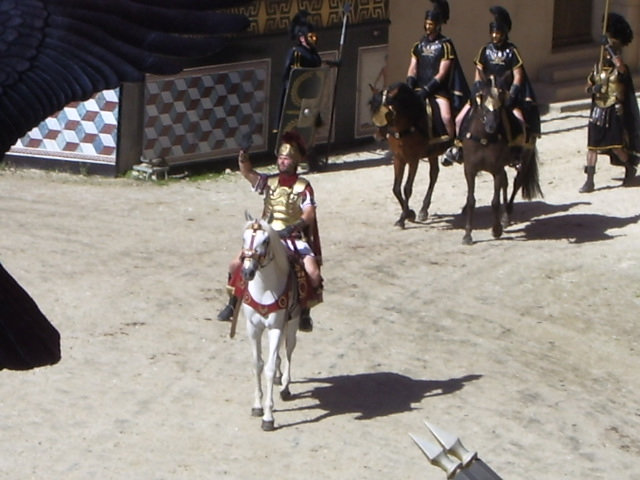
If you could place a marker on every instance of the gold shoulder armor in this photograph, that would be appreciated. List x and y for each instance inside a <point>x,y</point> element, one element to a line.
<point>300,185</point>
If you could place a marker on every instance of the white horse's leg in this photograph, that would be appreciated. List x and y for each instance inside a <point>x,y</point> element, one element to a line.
<point>274,335</point>
<point>254,332</point>
<point>290,339</point>
<point>277,380</point>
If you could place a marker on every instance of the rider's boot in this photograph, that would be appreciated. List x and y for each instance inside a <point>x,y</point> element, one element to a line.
<point>226,313</point>
<point>630,171</point>
<point>588,186</point>
<point>306,323</point>
<point>453,154</point>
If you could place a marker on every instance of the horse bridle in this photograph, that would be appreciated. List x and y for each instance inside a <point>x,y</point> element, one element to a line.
<point>252,253</point>
<point>385,118</point>
<point>492,104</point>
<point>380,118</point>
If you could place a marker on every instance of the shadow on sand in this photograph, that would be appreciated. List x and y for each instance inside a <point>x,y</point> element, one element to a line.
<point>540,221</point>
<point>577,228</point>
<point>371,395</point>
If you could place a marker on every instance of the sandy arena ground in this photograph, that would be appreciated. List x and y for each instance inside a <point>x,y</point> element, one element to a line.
<point>527,346</point>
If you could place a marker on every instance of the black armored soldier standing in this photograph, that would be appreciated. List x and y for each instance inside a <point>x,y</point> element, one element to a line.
<point>614,121</point>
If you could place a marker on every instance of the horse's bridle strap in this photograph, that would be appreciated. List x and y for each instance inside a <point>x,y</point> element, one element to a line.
<point>489,139</point>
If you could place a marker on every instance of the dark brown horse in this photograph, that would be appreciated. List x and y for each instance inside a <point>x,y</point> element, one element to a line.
<point>400,116</point>
<point>486,148</point>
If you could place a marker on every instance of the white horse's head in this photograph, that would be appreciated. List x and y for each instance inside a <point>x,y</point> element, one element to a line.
<point>260,246</point>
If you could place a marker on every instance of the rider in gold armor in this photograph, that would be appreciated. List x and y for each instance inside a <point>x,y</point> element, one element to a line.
<point>290,208</point>
<point>614,121</point>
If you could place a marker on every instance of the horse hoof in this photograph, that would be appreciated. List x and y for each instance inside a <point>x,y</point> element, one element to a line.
<point>497,231</point>
<point>422,217</point>
<point>467,240</point>
<point>267,426</point>
<point>588,187</point>
<point>411,216</point>
<point>257,412</point>
<point>285,394</point>
<point>399,223</point>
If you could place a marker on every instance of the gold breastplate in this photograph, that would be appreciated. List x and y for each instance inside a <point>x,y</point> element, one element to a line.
<point>609,88</point>
<point>282,204</point>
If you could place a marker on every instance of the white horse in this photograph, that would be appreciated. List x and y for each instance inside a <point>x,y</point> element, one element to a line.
<point>269,301</point>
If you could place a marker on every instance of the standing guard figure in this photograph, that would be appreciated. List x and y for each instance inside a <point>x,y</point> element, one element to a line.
<point>435,72</point>
<point>303,54</point>
<point>501,59</point>
<point>614,121</point>
<point>290,208</point>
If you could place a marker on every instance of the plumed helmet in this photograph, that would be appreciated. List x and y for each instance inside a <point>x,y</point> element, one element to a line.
<point>439,13</point>
<point>501,20</point>
<point>300,25</point>
<point>292,145</point>
<point>619,28</point>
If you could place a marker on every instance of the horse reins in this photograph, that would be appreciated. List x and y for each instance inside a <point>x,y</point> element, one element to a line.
<point>251,252</point>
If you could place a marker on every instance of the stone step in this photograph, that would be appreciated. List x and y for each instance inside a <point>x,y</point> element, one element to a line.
<point>560,91</point>
<point>565,77</point>
<point>565,72</point>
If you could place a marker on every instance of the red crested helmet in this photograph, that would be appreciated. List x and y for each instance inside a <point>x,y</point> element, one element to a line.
<point>292,145</point>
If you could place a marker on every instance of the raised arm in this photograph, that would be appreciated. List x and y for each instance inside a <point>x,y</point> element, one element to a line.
<point>246,169</point>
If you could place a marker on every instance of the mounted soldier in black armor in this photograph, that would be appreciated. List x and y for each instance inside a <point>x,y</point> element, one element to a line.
<point>501,60</point>
<point>436,75</point>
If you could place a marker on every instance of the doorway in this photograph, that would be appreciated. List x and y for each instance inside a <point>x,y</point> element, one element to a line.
<point>572,22</point>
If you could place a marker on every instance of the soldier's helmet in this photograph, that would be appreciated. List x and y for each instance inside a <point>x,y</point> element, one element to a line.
<point>302,27</point>
<point>439,14</point>
<point>292,145</point>
<point>619,28</point>
<point>501,20</point>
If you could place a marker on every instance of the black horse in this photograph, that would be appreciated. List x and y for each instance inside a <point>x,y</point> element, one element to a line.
<point>486,147</point>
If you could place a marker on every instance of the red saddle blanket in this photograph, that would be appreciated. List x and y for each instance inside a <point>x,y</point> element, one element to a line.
<point>307,296</point>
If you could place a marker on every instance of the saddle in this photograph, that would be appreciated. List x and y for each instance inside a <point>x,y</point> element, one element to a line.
<point>307,297</point>
<point>436,129</point>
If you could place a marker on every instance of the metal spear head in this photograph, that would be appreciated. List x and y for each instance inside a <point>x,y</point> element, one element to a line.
<point>437,456</point>
<point>452,444</point>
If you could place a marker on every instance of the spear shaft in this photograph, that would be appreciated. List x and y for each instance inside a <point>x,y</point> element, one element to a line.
<point>345,14</point>
<point>604,32</point>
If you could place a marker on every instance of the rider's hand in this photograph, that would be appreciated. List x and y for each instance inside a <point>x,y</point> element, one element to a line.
<point>512,98</point>
<point>287,231</point>
<point>431,87</point>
